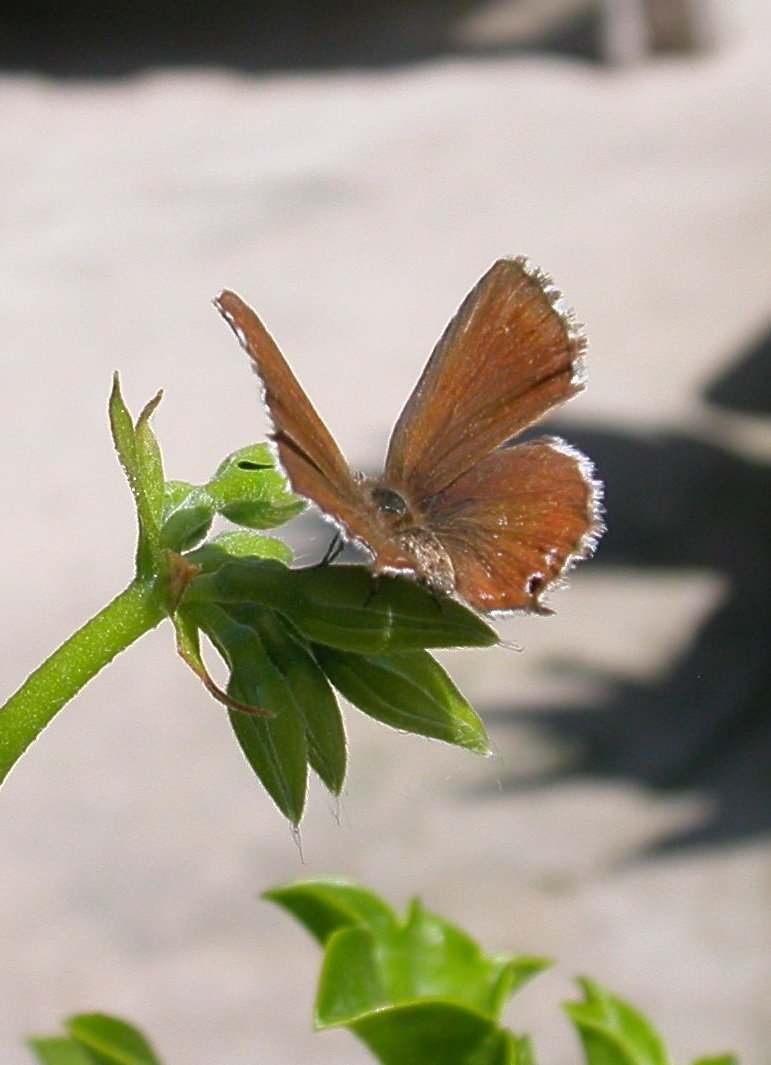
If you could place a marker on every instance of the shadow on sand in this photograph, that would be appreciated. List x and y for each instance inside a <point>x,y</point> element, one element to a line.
<point>677,502</point>
<point>86,38</point>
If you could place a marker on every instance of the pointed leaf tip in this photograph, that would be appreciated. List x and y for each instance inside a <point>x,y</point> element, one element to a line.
<point>110,1040</point>
<point>407,690</point>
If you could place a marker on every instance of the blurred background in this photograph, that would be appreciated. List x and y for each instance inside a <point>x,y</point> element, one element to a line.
<point>351,170</point>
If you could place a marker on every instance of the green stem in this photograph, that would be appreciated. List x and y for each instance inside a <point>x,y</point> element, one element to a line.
<point>131,614</point>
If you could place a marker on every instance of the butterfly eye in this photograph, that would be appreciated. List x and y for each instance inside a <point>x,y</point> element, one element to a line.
<point>388,501</point>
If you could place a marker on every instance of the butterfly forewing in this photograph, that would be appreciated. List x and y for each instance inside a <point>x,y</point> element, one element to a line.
<point>306,448</point>
<point>515,522</point>
<point>510,354</point>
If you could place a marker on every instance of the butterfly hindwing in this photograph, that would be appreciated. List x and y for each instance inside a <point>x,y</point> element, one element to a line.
<point>515,522</point>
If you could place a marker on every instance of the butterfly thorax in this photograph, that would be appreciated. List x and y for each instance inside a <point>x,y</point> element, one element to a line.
<point>405,524</point>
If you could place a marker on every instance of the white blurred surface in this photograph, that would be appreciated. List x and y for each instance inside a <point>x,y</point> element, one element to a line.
<point>353,211</point>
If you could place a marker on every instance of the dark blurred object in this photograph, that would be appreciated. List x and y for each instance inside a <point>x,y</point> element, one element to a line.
<point>89,38</point>
<point>621,31</point>
<point>674,25</point>
<point>638,28</point>
<point>747,387</point>
<point>704,726</point>
<point>86,37</point>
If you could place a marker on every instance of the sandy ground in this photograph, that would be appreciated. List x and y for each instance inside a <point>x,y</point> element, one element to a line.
<point>354,211</point>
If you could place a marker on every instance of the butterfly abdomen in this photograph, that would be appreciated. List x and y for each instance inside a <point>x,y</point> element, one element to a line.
<point>431,561</point>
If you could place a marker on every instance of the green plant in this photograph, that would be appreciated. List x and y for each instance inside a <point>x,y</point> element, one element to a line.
<point>416,991</point>
<point>288,637</point>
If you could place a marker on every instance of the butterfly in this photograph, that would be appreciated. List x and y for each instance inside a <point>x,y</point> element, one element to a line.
<point>456,507</point>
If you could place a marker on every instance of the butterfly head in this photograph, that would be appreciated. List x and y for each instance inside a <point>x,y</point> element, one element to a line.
<point>388,502</point>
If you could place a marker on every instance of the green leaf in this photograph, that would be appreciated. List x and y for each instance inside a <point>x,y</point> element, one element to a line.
<point>523,1050</point>
<point>414,990</point>
<point>374,960</point>
<point>324,906</point>
<point>346,607</point>
<point>275,747</point>
<point>149,461</point>
<point>434,1033</point>
<point>308,691</point>
<point>407,690</point>
<point>123,436</point>
<point>612,1032</point>
<point>58,1050</point>
<point>141,468</point>
<point>351,984</point>
<point>110,1041</point>
<point>239,543</point>
<point>188,512</point>
<point>248,489</point>
<point>426,956</point>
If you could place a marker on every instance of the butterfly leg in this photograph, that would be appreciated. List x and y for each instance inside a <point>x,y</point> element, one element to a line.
<point>334,549</point>
<point>438,598</point>
<point>375,588</point>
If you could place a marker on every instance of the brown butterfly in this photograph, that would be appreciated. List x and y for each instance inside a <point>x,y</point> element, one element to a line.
<point>496,525</point>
